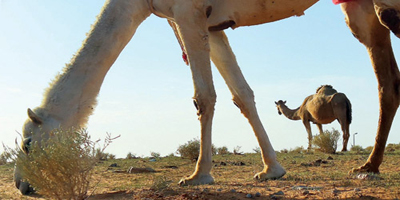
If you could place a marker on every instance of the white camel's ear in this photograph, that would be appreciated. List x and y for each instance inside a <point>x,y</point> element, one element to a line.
<point>34,117</point>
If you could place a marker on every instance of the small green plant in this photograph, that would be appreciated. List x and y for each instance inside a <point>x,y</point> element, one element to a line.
<point>155,154</point>
<point>191,149</point>
<point>237,151</point>
<point>101,155</point>
<point>356,149</point>
<point>298,149</point>
<point>257,149</point>
<point>392,147</point>
<point>160,183</point>
<point>171,155</point>
<point>223,150</point>
<point>327,141</point>
<point>111,156</point>
<point>131,156</point>
<point>369,149</point>
<point>284,151</point>
<point>61,167</point>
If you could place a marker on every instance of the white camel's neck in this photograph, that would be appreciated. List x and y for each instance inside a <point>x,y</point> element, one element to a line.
<point>71,97</point>
<point>289,113</point>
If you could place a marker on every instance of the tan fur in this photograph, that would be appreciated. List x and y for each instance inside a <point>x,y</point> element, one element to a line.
<point>323,107</point>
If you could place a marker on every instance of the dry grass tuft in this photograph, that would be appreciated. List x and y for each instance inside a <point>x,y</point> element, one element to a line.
<point>327,141</point>
<point>61,167</point>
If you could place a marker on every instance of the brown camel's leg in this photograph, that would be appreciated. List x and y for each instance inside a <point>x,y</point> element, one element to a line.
<point>361,18</point>
<point>341,111</point>
<point>388,12</point>
<point>308,128</point>
<point>344,124</point>
<point>320,128</point>
<point>191,19</point>
<point>346,135</point>
<point>243,97</point>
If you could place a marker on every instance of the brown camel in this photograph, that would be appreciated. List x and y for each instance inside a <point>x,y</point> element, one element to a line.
<point>323,107</point>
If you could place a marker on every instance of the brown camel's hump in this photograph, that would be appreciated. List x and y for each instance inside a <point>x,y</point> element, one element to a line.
<point>326,90</point>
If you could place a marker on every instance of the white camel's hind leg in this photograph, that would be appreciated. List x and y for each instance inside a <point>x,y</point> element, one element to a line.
<point>224,59</point>
<point>191,19</point>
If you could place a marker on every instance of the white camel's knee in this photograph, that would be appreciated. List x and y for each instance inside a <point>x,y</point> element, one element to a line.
<point>205,105</point>
<point>244,101</point>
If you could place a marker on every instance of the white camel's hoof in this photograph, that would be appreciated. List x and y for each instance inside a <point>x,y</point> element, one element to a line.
<point>271,173</point>
<point>196,180</point>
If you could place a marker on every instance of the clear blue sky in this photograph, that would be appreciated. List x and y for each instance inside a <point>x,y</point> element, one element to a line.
<point>147,95</point>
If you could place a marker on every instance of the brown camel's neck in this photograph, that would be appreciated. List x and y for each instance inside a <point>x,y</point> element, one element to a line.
<point>289,113</point>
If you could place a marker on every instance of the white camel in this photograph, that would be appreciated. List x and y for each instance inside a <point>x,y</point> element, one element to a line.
<point>70,99</point>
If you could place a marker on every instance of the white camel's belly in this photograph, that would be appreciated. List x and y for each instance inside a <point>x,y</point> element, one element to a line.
<point>253,12</point>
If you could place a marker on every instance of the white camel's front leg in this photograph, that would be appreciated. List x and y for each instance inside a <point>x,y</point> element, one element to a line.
<point>191,19</point>
<point>225,61</point>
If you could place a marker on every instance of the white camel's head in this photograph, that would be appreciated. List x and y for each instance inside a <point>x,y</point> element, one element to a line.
<point>279,105</point>
<point>36,128</point>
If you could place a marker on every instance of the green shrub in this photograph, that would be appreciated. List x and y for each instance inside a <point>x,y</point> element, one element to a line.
<point>257,149</point>
<point>298,149</point>
<point>223,150</point>
<point>171,155</point>
<point>327,141</point>
<point>237,151</point>
<point>131,156</point>
<point>369,149</point>
<point>61,167</point>
<point>160,183</point>
<point>191,149</point>
<point>101,155</point>
<point>392,147</point>
<point>357,149</point>
<point>155,154</point>
<point>284,151</point>
<point>111,156</point>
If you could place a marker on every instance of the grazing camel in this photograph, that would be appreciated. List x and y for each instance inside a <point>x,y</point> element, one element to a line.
<point>323,107</point>
<point>70,99</point>
<point>199,24</point>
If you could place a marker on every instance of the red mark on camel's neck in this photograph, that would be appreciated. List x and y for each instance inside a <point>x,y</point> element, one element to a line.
<point>340,1</point>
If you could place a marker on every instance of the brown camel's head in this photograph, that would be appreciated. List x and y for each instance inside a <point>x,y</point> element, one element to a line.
<point>278,105</point>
